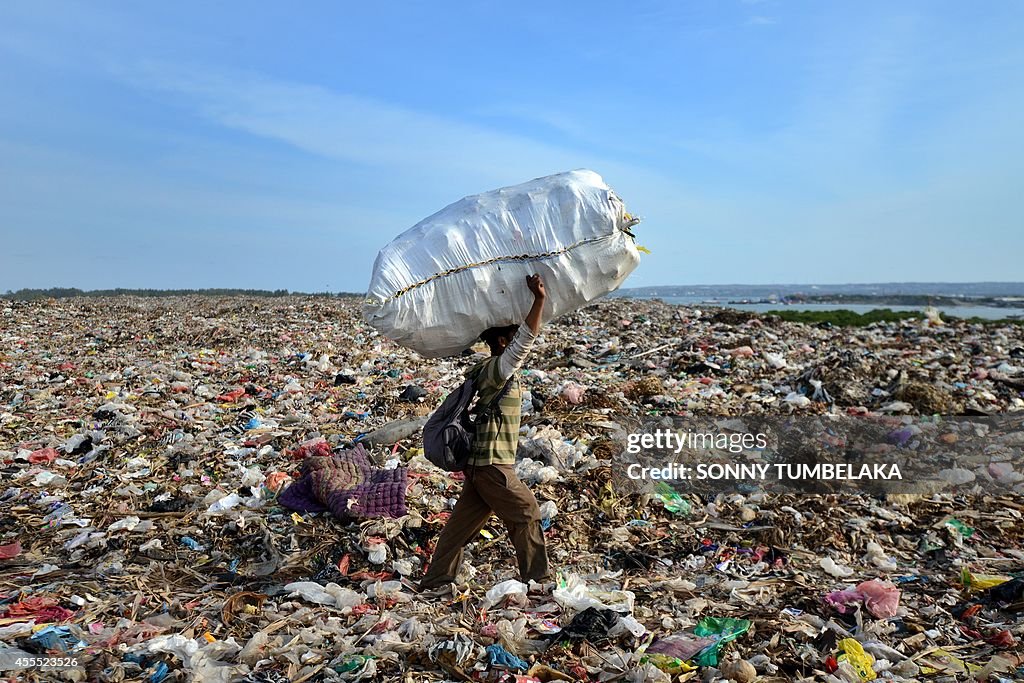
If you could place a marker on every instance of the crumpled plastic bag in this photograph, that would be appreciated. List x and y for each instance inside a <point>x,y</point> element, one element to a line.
<point>593,624</point>
<point>833,569</point>
<point>977,582</point>
<point>796,400</point>
<point>854,654</point>
<point>57,639</point>
<point>376,551</point>
<point>177,645</point>
<point>628,623</point>
<point>876,556</point>
<point>224,504</point>
<point>357,668</point>
<point>205,663</point>
<point>723,630</point>
<point>515,590</point>
<point>386,589</point>
<point>254,648</point>
<point>532,472</point>
<point>500,658</point>
<point>671,499</point>
<point>881,598</point>
<point>574,594</point>
<point>411,630</point>
<point>573,393</point>
<point>332,594</point>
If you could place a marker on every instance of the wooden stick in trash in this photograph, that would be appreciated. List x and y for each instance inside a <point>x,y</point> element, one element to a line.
<point>650,351</point>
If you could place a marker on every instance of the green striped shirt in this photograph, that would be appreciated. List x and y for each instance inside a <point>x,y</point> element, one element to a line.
<point>496,438</point>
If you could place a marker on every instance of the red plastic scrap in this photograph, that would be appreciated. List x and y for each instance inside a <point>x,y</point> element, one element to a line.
<point>275,480</point>
<point>579,672</point>
<point>1003,638</point>
<point>231,396</point>
<point>970,632</point>
<point>320,449</point>
<point>971,611</point>
<point>10,550</point>
<point>48,454</point>
<point>360,610</point>
<point>42,609</point>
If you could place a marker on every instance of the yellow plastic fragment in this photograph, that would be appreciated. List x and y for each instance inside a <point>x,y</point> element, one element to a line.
<point>670,665</point>
<point>860,660</point>
<point>947,663</point>
<point>980,582</point>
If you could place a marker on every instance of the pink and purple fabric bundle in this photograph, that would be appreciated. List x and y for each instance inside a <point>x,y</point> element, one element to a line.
<point>349,486</point>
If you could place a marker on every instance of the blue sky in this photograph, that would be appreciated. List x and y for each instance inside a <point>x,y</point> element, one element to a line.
<point>231,144</point>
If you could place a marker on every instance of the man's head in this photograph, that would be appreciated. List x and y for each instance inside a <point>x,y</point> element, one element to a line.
<point>498,338</point>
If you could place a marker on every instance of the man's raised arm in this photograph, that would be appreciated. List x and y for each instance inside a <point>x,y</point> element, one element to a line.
<point>512,358</point>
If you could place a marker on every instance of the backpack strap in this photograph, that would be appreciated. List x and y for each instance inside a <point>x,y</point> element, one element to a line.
<point>487,408</point>
<point>493,403</point>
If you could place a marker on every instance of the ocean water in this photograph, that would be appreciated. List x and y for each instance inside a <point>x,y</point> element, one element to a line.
<point>987,312</point>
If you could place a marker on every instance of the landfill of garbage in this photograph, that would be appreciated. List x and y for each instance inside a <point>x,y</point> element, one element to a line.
<point>204,489</point>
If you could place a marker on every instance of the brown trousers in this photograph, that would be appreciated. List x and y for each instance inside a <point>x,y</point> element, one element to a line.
<point>497,489</point>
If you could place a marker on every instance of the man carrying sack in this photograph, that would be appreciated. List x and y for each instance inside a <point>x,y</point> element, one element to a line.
<point>491,483</point>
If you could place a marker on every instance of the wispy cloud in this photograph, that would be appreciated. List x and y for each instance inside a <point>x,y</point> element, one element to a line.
<point>761,20</point>
<point>442,152</point>
<point>349,127</point>
<point>546,117</point>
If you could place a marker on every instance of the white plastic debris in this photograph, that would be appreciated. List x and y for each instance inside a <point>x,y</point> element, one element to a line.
<point>576,595</point>
<point>125,524</point>
<point>957,476</point>
<point>387,589</point>
<point>376,552</point>
<point>796,400</point>
<point>510,589</point>
<point>224,504</point>
<point>332,594</point>
<point>876,556</point>
<point>833,569</point>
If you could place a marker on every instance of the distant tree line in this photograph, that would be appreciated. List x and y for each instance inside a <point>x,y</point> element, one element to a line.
<point>66,292</point>
<point>846,318</point>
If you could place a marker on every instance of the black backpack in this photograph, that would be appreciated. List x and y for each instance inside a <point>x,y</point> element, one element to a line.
<point>449,433</point>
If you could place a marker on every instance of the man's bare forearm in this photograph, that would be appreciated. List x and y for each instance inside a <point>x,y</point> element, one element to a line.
<point>536,285</point>
<point>533,317</point>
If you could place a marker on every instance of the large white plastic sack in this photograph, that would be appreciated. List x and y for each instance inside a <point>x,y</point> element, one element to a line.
<point>441,283</point>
